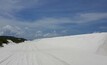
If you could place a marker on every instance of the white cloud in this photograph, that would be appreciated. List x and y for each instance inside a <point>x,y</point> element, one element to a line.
<point>89,17</point>
<point>31,27</point>
<point>103,27</point>
<point>79,19</point>
<point>10,7</point>
<point>55,22</point>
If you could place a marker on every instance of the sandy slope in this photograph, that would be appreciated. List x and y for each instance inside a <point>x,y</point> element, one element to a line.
<point>87,49</point>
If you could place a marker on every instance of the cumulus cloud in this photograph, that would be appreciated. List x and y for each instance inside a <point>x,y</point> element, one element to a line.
<point>8,9</point>
<point>31,28</point>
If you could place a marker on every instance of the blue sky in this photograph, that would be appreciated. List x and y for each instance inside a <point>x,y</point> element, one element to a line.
<point>62,17</point>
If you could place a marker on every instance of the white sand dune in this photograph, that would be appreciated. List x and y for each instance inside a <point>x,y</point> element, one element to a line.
<point>87,49</point>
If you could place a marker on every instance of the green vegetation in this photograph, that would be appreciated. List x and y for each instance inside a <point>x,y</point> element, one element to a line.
<point>4,39</point>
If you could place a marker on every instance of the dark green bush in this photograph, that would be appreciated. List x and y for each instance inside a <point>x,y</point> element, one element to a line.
<point>4,39</point>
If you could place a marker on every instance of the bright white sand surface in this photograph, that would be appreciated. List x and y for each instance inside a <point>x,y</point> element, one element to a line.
<point>86,49</point>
